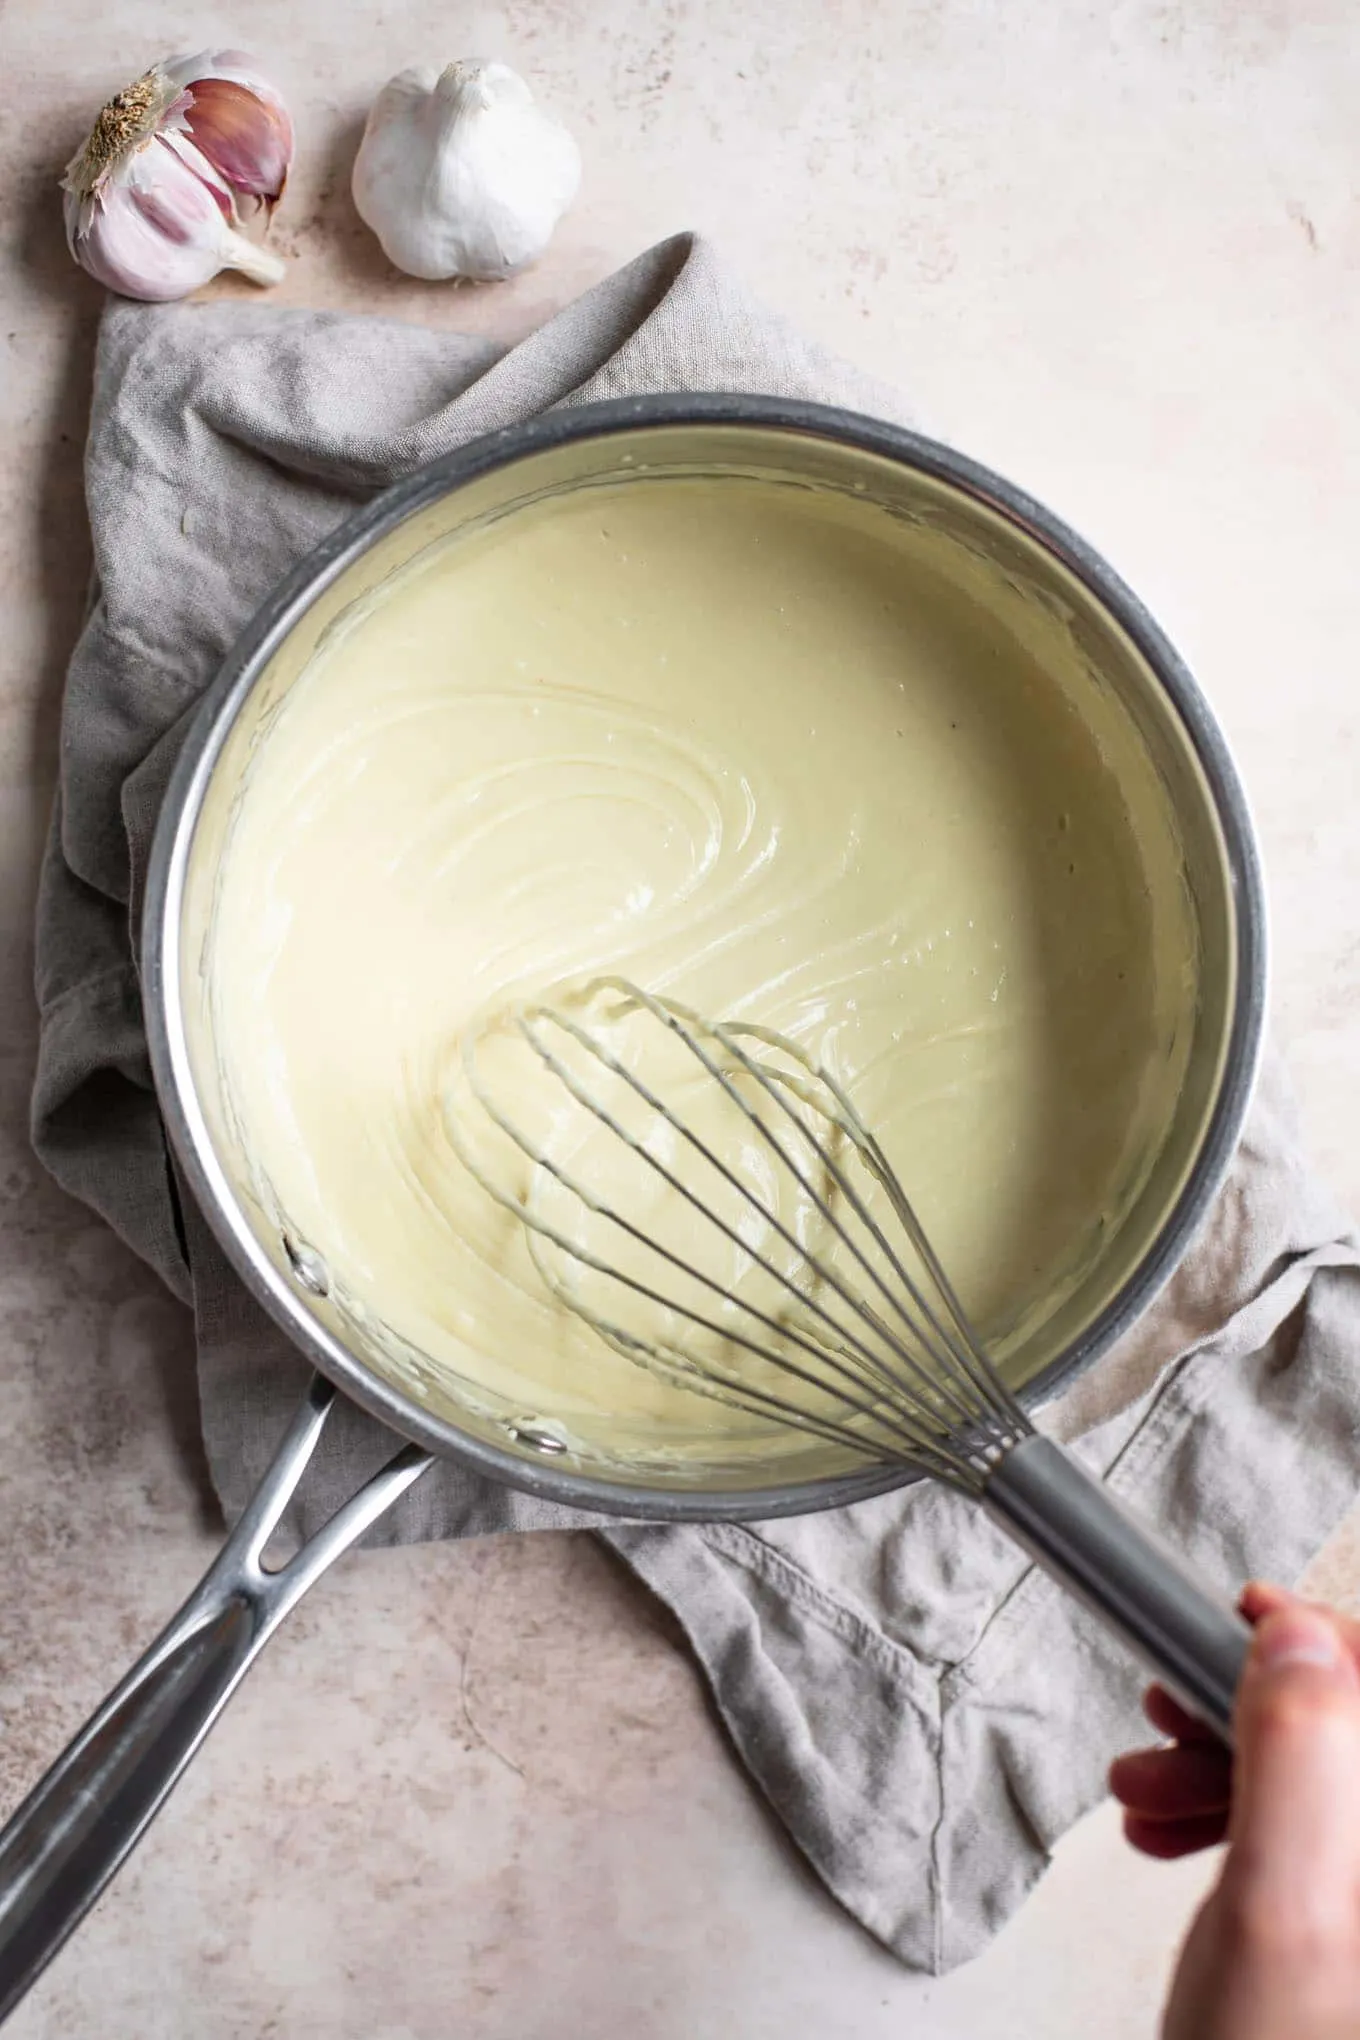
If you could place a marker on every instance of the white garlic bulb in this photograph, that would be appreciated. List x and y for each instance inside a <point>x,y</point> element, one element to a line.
<point>156,194</point>
<point>461,173</point>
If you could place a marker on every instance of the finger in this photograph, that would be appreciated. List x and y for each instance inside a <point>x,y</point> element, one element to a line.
<point>1295,1823</point>
<point>1174,1784</point>
<point>1169,1718</point>
<point>1260,1598</point>
<point>1167,1839</point>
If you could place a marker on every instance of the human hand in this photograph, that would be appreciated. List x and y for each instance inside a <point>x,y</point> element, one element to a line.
<point>1274,1953</point>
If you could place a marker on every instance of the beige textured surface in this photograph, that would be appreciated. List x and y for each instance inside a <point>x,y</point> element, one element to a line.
<point>475,1791</point>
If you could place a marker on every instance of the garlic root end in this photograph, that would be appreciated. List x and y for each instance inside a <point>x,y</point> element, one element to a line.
<point>257,263</point>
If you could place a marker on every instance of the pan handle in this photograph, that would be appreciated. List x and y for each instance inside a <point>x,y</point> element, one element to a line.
<point>76,1827</point>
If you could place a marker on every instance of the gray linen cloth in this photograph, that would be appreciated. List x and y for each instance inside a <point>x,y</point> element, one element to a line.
<point>926,1713</point>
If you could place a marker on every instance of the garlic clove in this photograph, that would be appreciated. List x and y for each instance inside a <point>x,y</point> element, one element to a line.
<point>152,196</point>
<point>224,121</point>
<point>236,118</point>
<point>461,172</point>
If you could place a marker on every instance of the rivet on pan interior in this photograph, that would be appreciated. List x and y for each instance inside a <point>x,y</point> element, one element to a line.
<point>309,1270</point>
<point>538,1441</point>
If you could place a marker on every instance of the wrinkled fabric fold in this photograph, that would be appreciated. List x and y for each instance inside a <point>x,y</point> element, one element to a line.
<point>925,1712</point>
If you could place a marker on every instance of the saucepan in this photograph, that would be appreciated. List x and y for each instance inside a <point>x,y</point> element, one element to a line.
<point>69,1837</point>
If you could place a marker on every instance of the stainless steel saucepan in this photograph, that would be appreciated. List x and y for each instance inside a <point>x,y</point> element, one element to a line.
<point>70,1835</point>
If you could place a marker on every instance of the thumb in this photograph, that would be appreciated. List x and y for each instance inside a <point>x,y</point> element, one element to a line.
<point>1294,1832</point>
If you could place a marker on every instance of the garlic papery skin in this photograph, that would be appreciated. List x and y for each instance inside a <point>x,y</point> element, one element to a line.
<point>156,194</point>
<point>461,172</point>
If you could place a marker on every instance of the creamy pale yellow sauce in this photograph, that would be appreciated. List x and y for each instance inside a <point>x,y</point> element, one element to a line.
<point>750,747</point>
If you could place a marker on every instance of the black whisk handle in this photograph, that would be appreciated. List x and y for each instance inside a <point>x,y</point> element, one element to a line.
<point>1186,1633</point>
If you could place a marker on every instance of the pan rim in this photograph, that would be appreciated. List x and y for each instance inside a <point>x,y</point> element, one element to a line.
<point>270,626</point>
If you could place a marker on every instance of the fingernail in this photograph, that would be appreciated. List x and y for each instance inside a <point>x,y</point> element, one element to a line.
<point>1296,1636</point>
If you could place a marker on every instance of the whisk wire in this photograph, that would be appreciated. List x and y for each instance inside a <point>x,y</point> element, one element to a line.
<point>890,1418</point>
<point>961,1346</point>
<point>740,1393</point>
<point>909,1377</point>
<point>820,1268</point>
<point>968,1352</point>
<point>965,1349</point>
<point>769,1083</point>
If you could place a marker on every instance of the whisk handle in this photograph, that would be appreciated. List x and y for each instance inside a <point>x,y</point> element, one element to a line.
<point>1183,1630</point>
